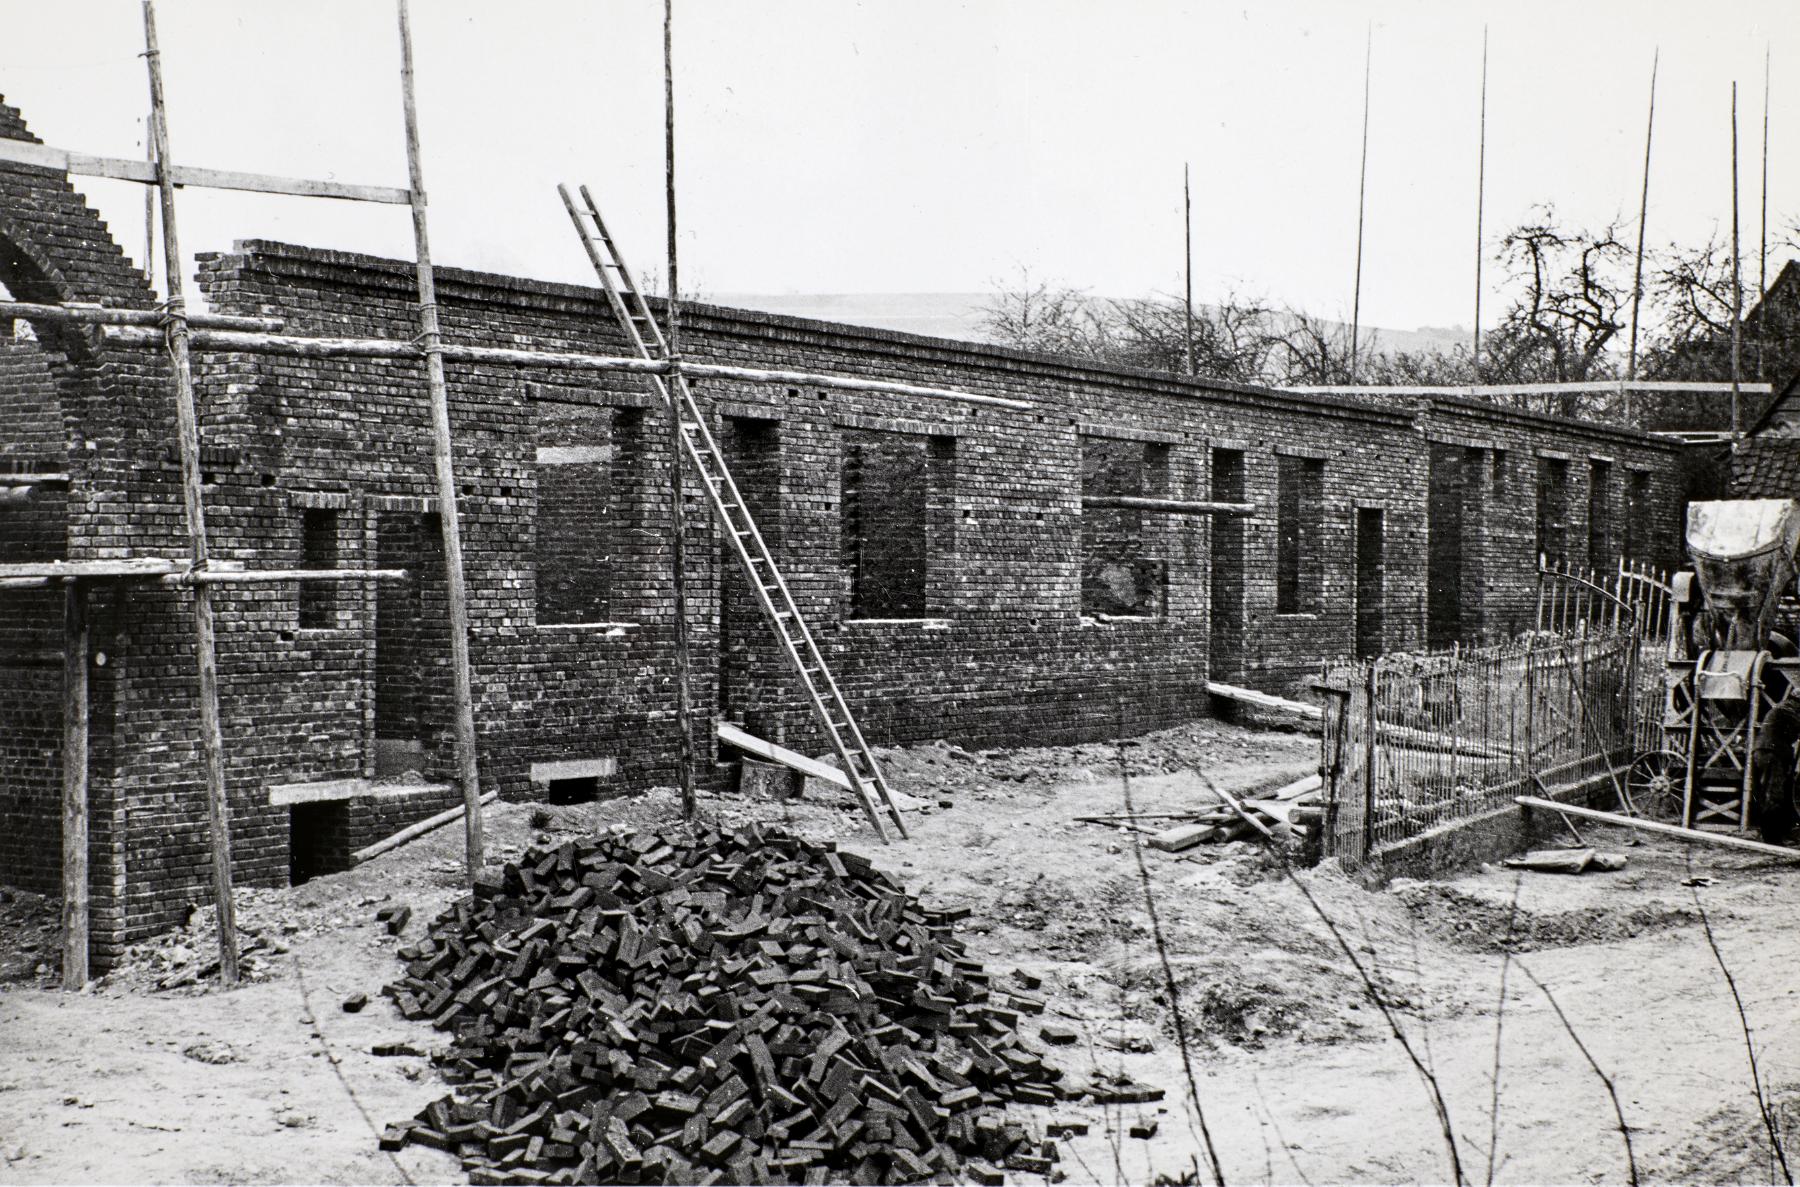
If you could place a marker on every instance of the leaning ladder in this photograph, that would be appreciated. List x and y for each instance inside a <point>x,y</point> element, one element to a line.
<point>753,554</point>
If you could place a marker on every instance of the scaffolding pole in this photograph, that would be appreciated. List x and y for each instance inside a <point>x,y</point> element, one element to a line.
<point>444,468</point>
<point>187,428</point>
<point>75,787</point>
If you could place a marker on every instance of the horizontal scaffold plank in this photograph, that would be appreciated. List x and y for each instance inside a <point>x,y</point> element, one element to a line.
<point>400,348</point>
<point>101,315</point>
<point>24,152</point>
<point>1166,506</point>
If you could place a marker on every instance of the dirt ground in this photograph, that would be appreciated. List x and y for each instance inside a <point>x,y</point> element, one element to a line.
<point>153,1075</point>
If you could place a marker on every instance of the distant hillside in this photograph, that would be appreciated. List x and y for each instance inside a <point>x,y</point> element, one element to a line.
<point>936,315</point>
<point>958,316</point>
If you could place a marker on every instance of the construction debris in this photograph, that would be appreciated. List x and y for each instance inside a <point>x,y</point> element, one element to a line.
<point>1565,861</point>
<point>1287,812</point>
<point>717,1006</point>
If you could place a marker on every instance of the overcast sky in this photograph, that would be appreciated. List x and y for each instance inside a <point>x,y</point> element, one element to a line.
<point>828,146</point>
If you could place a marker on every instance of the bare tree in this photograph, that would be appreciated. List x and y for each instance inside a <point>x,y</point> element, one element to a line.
<point>1310,350</point>
<point>1230,341</point>
<point>1567,292</point>
<point>1033,314</point>
<point>1570,301</point>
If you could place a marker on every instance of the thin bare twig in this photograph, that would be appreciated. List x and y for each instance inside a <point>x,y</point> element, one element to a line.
<point>1375,995</point>
<point>1286,1148</point>
<point>1762,1100</point>
<point>1162,956</point>
<point>1611,1090</point>
<point>1499,1027</point>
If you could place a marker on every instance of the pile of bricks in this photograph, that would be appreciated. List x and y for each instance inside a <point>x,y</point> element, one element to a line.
<point>712,1006</point>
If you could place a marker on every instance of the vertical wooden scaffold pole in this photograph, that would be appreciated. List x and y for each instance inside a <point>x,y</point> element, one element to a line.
<point>187,428</point>
<point>1362,188</point>
<point>1187,240</point>
<point>444,468</point>
<point>1637,276</point>
<point>1737,286</point>
<point>1480,200</point>
<point>75,785</point>
<point>1762,227</point>
<point>684,707</point>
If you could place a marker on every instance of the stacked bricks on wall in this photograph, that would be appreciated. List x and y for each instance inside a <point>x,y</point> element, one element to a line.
<point>1013,617</point>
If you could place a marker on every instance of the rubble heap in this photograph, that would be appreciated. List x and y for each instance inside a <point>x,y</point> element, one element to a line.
<point>740,1006</point>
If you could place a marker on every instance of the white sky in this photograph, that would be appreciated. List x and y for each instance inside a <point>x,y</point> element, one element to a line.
<point>828,146</point>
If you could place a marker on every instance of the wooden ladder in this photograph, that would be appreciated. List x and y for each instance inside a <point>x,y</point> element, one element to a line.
<point>753,554</point>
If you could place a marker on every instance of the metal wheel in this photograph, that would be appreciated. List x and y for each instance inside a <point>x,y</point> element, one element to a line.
<point>1654,781</point>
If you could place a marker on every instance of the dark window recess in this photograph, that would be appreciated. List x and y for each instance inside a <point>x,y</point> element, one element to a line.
<point>1370,583</point>
<point>584,789</point>
<point>318,839</point>
<point>1447,497</point>
<point>412,648</point>
<point>752,449</point>
<point>1227,557</point>
<point>1553,509</point>
<point>1299,511</point>
<point>1120,571</point>
<point>318,550</point>
<point>1600,553</point>
<point>895,520</point>
<point>1637,515</point>
<point>575,512</point>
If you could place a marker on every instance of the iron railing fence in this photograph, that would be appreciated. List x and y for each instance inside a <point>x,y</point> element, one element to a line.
<point>1411,742</point>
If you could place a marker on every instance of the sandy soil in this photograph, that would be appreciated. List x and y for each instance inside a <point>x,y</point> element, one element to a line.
<point>1298,1075</point>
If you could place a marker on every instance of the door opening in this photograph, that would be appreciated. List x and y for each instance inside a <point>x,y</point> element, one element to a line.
<point>1369,583</point>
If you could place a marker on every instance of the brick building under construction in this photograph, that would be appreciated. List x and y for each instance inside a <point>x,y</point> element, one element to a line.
<point>975,573</point>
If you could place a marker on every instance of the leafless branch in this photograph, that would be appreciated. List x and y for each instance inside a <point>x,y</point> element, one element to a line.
<point>1512,916</point>
<point>1611,1090</point>
<point>1374,994</point>
<point>1168,971</point>
<point>1762,1101</point>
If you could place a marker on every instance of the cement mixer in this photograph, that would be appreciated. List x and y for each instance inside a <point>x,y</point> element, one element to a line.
<point>1732,714</point>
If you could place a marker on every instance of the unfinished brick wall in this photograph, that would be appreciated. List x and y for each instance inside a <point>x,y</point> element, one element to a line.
<point>1226,565</point>
<point>74,406</point>
<point>999,652</point>
<point>574,518</point>
<point>1121,574</point>
<point>886,537</point>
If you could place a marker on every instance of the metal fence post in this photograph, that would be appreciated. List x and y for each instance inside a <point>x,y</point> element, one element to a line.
<point>1369,754</point>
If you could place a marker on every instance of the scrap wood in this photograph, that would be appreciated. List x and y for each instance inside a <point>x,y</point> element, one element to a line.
<point>1249,818</point>
<point>412,831</point>
<point>1565,861</point>
<point>1299,789</point>
<point>1181,837</point>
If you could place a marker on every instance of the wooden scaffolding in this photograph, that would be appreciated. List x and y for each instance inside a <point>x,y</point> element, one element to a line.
<point>181,333</point>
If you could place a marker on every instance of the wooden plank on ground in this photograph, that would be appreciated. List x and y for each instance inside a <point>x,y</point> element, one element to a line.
<point>1264,700</point>
<point>1185,836</point>
<point>731,735</point>
<point>412,831</point>
<point>1727,840</point>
